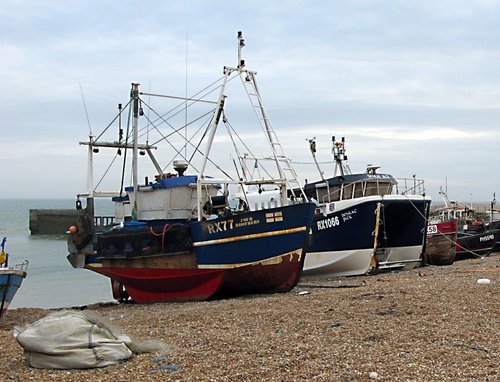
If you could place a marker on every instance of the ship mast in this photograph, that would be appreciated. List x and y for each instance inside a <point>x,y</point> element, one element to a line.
<point>90,181</point>
<point>312,148</point>
<point>135,128</point>
<point>213,128</point>
<point>339,156</point>
<point>287,183</point>
<point>288,178</point>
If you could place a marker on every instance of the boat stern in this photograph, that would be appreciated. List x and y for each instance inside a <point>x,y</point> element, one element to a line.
<point>80,240</point>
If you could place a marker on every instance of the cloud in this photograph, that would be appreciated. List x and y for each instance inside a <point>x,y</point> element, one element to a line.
<point>409,84</point>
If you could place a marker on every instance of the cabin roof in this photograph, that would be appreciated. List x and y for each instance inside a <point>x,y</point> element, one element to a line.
<point>351,178</point>
<point>176,181</point>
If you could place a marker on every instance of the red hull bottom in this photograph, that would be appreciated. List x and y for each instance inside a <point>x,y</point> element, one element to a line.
<point>158,285</point>
<point>149,285</point>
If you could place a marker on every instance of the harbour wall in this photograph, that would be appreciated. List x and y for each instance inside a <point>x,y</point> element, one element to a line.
<point>57,221</point>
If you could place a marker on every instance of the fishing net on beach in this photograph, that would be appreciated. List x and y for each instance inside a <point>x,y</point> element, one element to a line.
<point>77,340</point>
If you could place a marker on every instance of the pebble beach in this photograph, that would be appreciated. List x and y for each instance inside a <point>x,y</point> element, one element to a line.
<point>429,324</point>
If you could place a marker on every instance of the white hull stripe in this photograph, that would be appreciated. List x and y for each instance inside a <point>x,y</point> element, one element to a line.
<point>248,237</point>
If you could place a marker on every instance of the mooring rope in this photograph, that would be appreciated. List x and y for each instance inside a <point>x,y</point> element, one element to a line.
<point>440,233</point>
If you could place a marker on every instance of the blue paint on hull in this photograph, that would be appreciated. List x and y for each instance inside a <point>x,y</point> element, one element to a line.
<point>10,282</point>
<point>402,224</point>
<point>247,252</point>
<point>476,245</point>
<point>349,230</point>
<point>346,229</point>
<point>253,236</point>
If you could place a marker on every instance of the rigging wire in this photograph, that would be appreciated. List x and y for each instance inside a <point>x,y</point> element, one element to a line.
<point>106,172</point>
<point>147,127</point>
<point>112,121</point>
<point>85,107</point>
<point>232,131</point>
<point>185,103</point>
<point>310,163</point>
<point>205,92</point>
<point>238,154</point>
<point>165,138</point>
<point>207,125</point>
<point>188,141</point>
<point>174,130</point>
<point>195,98</point>
<point>440,233</point>
<point>211,161</point>
<point>126,146</point>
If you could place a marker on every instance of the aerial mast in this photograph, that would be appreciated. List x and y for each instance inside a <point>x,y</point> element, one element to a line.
<point>135,125</point>
<point>312,148</point>
<point>339,156</point>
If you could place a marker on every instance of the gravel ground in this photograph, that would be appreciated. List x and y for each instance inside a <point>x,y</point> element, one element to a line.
<point>429,324</point>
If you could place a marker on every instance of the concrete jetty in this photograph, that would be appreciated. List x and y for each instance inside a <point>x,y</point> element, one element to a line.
<point>57,221</point>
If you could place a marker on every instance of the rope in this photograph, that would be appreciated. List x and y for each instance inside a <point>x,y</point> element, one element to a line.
<point>165,229</point>
<point>440,233</point>
<point>383,218</point>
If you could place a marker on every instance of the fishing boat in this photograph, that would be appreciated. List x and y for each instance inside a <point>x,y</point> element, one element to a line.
<point>494,226</point>
<point>473,238</point>
<point>472,245</point>
<point>178,237</point>
<point>11,279</point>
<point>440,248</point>
<point>493,223</point>
<point>364,222</point>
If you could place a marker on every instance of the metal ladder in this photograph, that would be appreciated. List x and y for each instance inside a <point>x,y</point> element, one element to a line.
<point>285,168</point>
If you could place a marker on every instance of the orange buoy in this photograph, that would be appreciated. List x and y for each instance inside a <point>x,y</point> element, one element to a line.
<point>73,229</point>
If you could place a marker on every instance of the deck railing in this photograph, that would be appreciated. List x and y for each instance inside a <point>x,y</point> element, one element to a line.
<point>104,221</point>
<point>360,188</point>
<point>410,186</point>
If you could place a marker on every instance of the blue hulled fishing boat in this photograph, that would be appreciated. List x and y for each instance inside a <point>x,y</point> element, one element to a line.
<point>11,279</point>
<point>179,237</point>
<point>364,221</point>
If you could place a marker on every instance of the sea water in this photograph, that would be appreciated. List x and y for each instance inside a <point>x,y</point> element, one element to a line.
<point>51,281</point>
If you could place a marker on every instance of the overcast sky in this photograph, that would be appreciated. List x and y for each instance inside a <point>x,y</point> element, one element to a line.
<point>413,85</point>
